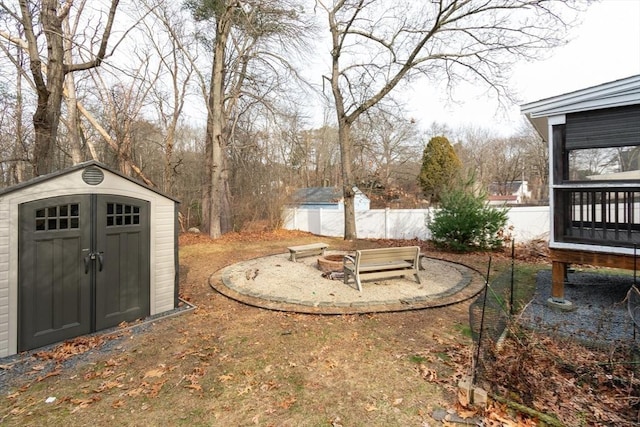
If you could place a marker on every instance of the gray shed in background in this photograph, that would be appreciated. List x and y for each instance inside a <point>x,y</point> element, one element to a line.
<point>82,250</point>
<point>327,198</point>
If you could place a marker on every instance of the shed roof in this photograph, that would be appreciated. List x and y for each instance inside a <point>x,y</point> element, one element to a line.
<point>321,195</point>
<point>74,168</point>
<point>617,93</point>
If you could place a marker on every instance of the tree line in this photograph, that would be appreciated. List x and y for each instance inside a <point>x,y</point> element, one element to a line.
<point>212,101</point>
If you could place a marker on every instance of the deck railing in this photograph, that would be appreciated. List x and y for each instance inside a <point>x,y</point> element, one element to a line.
<point>608,216</point>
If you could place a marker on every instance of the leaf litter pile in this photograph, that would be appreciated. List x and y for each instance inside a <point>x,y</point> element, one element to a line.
<point>578,384</point>
<point>230,364</point>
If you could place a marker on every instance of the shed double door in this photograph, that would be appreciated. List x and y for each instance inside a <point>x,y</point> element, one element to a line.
<point>83,266</point>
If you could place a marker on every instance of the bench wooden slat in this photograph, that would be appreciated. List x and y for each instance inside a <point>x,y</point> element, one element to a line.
<point>386,266</point>
<point>382,263</point>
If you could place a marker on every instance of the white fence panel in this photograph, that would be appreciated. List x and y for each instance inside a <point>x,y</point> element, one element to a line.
<point>527,222</point>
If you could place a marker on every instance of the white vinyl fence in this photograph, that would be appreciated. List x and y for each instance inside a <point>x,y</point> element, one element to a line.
<point>528,222</point>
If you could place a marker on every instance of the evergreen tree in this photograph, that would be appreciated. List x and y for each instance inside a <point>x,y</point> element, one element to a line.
<point>440,168</point>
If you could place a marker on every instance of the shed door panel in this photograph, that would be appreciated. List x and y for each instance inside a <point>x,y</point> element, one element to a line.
<point>83,266</point>
<point>54,295</point>
<point>122,286</point>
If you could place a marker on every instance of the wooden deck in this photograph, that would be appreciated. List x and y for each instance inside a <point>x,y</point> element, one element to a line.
<point>561,258</point>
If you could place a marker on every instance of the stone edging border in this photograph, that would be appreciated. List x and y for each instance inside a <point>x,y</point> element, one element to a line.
<point>471,285</point>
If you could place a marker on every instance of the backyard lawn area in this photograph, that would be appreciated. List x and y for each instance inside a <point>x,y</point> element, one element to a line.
<point>229,364</point>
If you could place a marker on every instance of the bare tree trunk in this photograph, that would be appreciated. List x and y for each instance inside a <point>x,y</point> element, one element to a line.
<point>216,177</point>
<point>49,88</point>
<point>18,167</point>
<point>113,144</point>
<point>73,125</point>
<point>344,134</point>
<point>47,115</point>
<point>167,173</point>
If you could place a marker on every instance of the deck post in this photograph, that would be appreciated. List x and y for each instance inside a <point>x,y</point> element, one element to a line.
<point>558,279</point>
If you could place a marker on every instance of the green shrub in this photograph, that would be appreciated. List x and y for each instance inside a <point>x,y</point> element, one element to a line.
<point>440,167</point>
<point>465,222</point>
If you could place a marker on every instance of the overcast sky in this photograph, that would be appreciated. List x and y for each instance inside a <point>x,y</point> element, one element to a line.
<point>605,47</point>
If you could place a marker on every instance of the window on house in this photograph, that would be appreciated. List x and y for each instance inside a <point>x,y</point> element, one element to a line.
<point>605,164</point>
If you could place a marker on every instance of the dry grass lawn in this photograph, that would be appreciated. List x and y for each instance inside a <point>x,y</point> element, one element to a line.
<point>229,364</point>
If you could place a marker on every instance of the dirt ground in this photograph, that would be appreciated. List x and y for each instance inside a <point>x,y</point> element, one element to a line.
<point>230,364</point>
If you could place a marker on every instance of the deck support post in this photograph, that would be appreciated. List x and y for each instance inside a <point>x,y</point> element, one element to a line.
<point>558,279</point>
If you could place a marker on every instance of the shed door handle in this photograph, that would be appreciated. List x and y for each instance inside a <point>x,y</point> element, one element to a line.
<point>93,255</point>
<point>100,260</point>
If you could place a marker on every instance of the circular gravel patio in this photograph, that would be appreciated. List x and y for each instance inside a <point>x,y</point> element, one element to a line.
<point>274,282</point>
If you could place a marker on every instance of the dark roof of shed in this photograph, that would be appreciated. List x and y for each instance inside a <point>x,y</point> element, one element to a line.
<point>324,195</point>
<point>75,168</point>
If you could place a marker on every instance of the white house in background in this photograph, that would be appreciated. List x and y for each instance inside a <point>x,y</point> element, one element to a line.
<point>327,198</point>
<point>509,193</point>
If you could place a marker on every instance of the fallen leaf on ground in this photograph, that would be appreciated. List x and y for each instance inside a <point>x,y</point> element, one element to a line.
<point>194,386</point>
<point>49,374</point>
<point>288,403</point>
<point>154,373</point>
<point>225,378</point>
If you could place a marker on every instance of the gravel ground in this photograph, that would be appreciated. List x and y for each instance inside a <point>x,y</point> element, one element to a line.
<point>25,367</point>
<point>278,279</point>
<point>600,316</point>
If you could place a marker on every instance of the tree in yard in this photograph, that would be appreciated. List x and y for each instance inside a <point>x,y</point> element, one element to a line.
<point>249,43</point>
<point>440,168</point>
<point>43,26</point>
<point>378,44</point>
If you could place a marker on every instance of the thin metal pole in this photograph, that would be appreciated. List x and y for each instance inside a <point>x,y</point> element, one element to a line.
<point>484,304</point>
<point>513,257</point>
<point>635,270</point>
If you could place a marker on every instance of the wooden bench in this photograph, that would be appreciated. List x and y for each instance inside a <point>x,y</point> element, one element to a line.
<point>306,250</point>
<point>382,263</point>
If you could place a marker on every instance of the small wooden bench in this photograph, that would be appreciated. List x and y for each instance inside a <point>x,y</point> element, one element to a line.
<point>382,263</point>
<point>306,250</point>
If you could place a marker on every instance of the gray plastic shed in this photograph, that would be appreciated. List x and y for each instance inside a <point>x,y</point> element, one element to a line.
<point>82,250</point>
